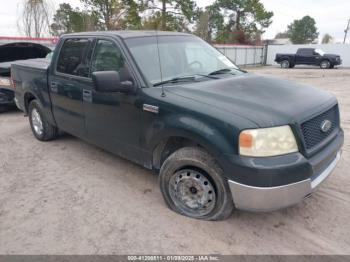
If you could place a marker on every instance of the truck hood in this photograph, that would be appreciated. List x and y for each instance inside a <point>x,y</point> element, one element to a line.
<point>267,101</point>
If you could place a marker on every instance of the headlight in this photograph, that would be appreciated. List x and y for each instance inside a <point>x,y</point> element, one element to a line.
<point>264,142</point>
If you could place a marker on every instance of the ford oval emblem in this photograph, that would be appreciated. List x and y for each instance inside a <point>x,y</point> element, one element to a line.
<point>326,125</point>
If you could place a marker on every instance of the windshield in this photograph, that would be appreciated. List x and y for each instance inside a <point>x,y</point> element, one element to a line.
<point>180,56</point>
<point>320,52</point>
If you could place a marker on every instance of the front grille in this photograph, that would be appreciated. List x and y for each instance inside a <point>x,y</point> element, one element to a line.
<point>311,129</point>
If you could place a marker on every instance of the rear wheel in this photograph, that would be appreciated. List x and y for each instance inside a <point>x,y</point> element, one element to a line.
<point>193,185</point>
<point>41,128</point>
<point>285,64</point>
<point>325,64</point>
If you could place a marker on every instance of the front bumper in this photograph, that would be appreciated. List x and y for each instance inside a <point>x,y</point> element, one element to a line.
<point>338,62</point>
<point>263,199</point>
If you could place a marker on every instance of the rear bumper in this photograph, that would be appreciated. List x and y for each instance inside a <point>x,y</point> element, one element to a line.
<point>263,199</point>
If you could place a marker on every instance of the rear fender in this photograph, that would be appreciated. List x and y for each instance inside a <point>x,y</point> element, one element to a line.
<point>46,108</point>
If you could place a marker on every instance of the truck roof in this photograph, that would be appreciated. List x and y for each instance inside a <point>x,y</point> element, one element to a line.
<point>129,33</point>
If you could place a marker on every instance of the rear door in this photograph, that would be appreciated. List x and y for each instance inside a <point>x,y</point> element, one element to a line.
<point>305,56</point>
<point>69,75</point>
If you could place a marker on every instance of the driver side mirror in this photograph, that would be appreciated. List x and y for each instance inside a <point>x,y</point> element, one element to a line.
<point>109,81</point>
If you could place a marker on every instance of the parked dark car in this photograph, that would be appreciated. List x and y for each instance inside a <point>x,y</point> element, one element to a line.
<point>9,53</point>
<point>218,137</point>
<point>308,56</point>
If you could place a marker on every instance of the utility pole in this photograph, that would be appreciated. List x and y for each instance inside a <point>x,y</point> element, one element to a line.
<point>346,31</point>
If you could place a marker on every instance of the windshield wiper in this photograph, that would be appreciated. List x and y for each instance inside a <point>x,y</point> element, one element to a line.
<point>221,71</point>
<point>183,79</point>
<point>176,80</point>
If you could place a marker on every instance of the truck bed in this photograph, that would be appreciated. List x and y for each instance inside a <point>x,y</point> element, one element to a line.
<point>30,77</point>
<point>39,63</point>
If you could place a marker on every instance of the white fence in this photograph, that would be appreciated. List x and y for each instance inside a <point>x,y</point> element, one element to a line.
<point>243,55</point>
<point>340,49</point>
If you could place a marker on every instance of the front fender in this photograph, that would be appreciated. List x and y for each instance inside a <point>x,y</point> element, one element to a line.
<point>215,138</point>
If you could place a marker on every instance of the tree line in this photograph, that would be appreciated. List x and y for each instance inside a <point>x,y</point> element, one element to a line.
<point>223,22</point>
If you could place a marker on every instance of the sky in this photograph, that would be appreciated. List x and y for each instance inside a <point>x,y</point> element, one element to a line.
<point>331,15</point>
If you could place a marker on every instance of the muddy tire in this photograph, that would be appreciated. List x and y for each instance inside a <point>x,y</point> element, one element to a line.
<point>41,128</point>
<point>193,185</point>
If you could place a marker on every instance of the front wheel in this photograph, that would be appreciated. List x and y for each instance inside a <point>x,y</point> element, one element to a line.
<point>325,64</point>
<point>41,128</point>
<point>193,185</point>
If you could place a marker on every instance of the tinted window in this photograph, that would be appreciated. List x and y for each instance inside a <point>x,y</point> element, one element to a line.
<point>306,52</point>
<point>73,57</point>
<point>107,57</point>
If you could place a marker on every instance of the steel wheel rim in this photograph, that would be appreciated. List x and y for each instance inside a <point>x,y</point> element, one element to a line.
<point>37,122</point>
<point>192,193</point>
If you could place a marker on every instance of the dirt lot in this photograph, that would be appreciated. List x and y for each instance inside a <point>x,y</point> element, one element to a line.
<point>68,197</point>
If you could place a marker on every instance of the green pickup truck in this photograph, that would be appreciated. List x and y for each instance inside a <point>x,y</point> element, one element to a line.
<point>219,137</point>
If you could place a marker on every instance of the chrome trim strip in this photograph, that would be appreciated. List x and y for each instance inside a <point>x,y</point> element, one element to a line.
<point>150,108</point>
<point>316,182</point>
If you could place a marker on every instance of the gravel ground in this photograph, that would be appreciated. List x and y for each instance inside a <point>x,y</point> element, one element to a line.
<point>68,197</point>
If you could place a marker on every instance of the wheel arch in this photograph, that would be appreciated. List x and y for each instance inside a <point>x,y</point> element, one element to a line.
<point>165,143</point>
<point>326,59</point>
<point>28,97</point>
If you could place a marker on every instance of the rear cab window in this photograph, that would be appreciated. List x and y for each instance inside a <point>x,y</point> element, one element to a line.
<point>73,58</point>
<point>305,52</point>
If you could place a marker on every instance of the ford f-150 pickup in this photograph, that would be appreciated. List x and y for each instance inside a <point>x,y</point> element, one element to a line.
<point>308,56</point>
<point>219,137</point>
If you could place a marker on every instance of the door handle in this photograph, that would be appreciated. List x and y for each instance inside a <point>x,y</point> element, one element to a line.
<point>54,86</point>
<point>87,95</point>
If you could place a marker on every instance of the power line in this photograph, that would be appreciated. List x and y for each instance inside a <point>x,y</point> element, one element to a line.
<point>346,31</point>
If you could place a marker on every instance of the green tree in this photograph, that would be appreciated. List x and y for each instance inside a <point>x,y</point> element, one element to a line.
<point>247,20</point>
<point>171,14</point>
<point>303,31</point>
<point>327,39</point>
<point>69,20</point>
<point>210,20</point>
<point>117,14</point>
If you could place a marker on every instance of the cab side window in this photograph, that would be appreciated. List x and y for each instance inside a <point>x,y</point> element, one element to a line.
<point>107,57</point>
<point>73,57</point>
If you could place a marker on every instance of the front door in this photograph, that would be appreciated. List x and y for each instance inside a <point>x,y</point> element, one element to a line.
<point>66,83</point>
<point>113,118</point>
